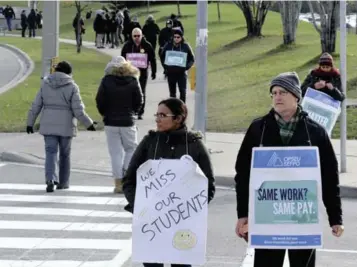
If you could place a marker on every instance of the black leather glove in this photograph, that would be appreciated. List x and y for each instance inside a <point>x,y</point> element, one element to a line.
<point>153,76</point>
<point>91,128</point>
<point>29,129</point>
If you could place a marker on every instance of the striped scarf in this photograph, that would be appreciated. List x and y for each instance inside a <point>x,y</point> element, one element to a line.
<point>287,129</point>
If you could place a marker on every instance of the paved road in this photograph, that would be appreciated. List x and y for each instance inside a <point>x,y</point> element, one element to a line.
<point>86,225</point>
<point>9,66</point>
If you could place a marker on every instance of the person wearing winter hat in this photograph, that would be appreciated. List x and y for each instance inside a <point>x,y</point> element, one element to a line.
<point>325,78</point>
<point>165,35</point>
<point>141,54</point>
<point>118,99</point>
<point>177,58</point>
<point>60,104</point>
<point>287,125</point>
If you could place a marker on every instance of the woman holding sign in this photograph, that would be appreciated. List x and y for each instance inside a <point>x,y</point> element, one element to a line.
<point>325,78</point>
<point>286,125</point>
<point>177,58</point>
<point>171,140</point>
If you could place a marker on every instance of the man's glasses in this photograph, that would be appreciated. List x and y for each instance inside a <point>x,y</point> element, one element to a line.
<point>136,36</point>
<point>163,115</point>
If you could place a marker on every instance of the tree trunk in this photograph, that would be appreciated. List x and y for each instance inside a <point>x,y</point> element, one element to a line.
<point>218,11</point>
<point>290,12</point>
<point>329,16</point>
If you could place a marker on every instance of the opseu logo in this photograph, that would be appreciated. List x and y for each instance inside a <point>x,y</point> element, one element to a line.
<point>276,161</point>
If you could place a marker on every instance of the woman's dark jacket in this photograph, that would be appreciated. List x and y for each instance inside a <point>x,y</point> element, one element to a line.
<point>119,98</point>
<point>332,77</point>
<point>169,146</point>
<point>265,131</point>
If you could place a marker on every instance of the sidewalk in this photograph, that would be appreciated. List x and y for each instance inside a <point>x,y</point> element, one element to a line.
<point>89,149</point>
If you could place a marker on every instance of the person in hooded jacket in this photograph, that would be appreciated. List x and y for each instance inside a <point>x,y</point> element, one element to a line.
<point>176,23</point>
<point>171,140</point>
<point>176,71</point>
<point>287,125</point>
<point>325,78</point>
<point>118,99</point>
<point>99,28</point>
<point>138,47</point>
<point>165,35</point>
<point>61,105</point>
<point>151,30</point>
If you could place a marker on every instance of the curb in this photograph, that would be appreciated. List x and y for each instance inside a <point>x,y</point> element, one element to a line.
<point>27,67</point>
<point>222,181</point>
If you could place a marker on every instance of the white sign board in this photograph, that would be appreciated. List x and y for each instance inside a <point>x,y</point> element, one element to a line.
<point>170,212</point>
<point>285,203</point>
<point>321,108</point>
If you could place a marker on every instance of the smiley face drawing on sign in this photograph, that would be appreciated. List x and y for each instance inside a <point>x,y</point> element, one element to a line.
<point>184,240</point>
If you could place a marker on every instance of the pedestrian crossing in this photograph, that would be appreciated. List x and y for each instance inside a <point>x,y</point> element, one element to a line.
<point>83,226</point>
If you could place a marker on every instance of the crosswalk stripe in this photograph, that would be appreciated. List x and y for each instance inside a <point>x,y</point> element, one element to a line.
<point>63,243</point>
<point>65,226</point>
<point>59,263</point>
<point>73,188</point>
<point>64,199</point>
<point>63,212</point>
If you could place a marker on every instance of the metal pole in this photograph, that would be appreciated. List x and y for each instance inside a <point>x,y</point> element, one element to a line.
<point>343,68</point>
<point>50,34</point>
<point>201,68</point>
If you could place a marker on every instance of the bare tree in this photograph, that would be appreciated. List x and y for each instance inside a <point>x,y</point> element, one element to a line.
<point>290,12</point>
<point>178,9</point>
<point>219,11</point>
<point>255,13</point>
<point>80,8</point>
<point>329,16</point>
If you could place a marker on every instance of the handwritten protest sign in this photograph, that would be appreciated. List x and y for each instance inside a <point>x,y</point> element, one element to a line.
<point>170,212</point>
<point>139,60</point>
<point>175,58</point>
<point>321,108</point>
<point>286,198</point>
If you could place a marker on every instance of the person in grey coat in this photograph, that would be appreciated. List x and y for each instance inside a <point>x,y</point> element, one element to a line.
<point>61,105</point>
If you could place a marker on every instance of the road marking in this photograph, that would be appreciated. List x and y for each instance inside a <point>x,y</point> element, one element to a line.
<point>64,199</point>
<point>249,259</point>
<point>63,243</point>
<point>65,226</point>
<point>101,173</point>
<point>59,263</point>
<point>337,251</point>
<point>63,212</point>
<point>73,188</point>
<point>122,257</point>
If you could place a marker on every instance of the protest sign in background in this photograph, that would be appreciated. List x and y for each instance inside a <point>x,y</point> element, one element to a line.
<point>170,212</point>
<point>285,201</point>
<point>321,108</point>
<point>175,58</point>
<point>139,60</point>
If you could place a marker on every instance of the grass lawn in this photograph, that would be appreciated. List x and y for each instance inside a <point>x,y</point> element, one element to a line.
<point>239,70</point>
<point>87,74</point>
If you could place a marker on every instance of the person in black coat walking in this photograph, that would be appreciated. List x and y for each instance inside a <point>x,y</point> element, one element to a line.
<point>165,35</point>
<point>287,125</point>
<point>151,31</point>
<point>118,99</point>
<point>31,20</point>
<point>176,72</point>
<point>23,23</point>
<point>140,53</point>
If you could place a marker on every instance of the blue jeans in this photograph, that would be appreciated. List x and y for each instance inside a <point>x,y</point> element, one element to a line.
<point>52,143</point>
<point>9,24</point>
